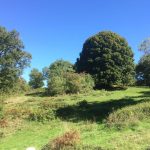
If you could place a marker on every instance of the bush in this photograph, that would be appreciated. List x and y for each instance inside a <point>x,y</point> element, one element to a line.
<point>17,112</point>
<point>52,105</point>
<point>78,83</point>
<point>56,86</point>
<point>41,115</point>
<point>66,141</point>
<point>130,115</point>
<point>19,87</point>
<point>70,83</point>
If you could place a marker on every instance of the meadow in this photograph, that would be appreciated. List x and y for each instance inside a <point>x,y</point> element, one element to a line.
<point>108,120</point>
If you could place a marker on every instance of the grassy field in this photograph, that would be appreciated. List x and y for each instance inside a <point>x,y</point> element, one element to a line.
<point>107,119</point>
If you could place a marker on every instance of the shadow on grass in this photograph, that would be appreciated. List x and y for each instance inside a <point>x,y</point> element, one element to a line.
<point>93,111</point>
<point>38,94</point>
<point>144,95</point>
<point>117,88</point>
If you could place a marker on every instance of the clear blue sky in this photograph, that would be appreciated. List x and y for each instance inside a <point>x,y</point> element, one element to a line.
<point>54,29</point>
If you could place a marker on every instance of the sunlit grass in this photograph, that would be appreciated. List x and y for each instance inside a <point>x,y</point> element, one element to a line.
<point>92,129</point>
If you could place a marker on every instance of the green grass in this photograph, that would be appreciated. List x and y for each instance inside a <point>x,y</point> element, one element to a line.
<point>86,113</point>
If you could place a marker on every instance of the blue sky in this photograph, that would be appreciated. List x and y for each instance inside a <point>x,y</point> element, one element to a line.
<point>55,29</point>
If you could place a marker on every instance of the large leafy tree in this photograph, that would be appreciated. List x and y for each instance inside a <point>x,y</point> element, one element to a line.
<point>36,79</point>
<point>13,59</point>
<point>108,58</point>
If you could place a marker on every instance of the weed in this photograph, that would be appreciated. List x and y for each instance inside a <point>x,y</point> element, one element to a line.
<point>66,141</point>
<point>41,115</point>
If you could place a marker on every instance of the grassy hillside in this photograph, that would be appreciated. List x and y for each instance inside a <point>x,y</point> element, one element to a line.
<point>107,119</point>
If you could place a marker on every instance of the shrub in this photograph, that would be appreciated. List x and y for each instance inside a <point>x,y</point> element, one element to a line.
<point>78,83</point>
<point>52,105</point>
<point>41,115</point>
<point>130,115</point>
<point>56,86</point>
<point>66,141</point>
<point>18,111</point>
<point>19,87</point>
<point>71,83</point>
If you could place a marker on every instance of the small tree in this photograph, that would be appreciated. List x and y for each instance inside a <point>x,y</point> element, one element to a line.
<point>36,79</point>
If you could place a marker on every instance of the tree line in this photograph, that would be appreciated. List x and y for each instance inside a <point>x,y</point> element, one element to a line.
<point>106,61</point>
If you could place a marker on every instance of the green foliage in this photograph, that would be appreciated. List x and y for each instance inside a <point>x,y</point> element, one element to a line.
<point>58,68</point>
<point>19,87</point>
<point>12,58</point>
<point>143,71</point>
<point>78,83</point>
<point>36,79</point>
<point>108,58</point>
<point>41,115</point>
<point>62,79</point>
<point>71,83</point>
<point>56,85</point>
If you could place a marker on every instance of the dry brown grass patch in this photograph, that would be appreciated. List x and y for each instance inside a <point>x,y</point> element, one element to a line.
<point>67,141</point>
<point>3,123</point>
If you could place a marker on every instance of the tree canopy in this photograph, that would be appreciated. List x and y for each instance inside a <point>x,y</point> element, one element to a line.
<point>59,67</point>
<point>108,58</point>
<point>143,70</point>
<point>12,58</point>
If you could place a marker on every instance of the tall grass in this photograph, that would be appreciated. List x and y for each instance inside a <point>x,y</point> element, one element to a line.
<point>130,115</point>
